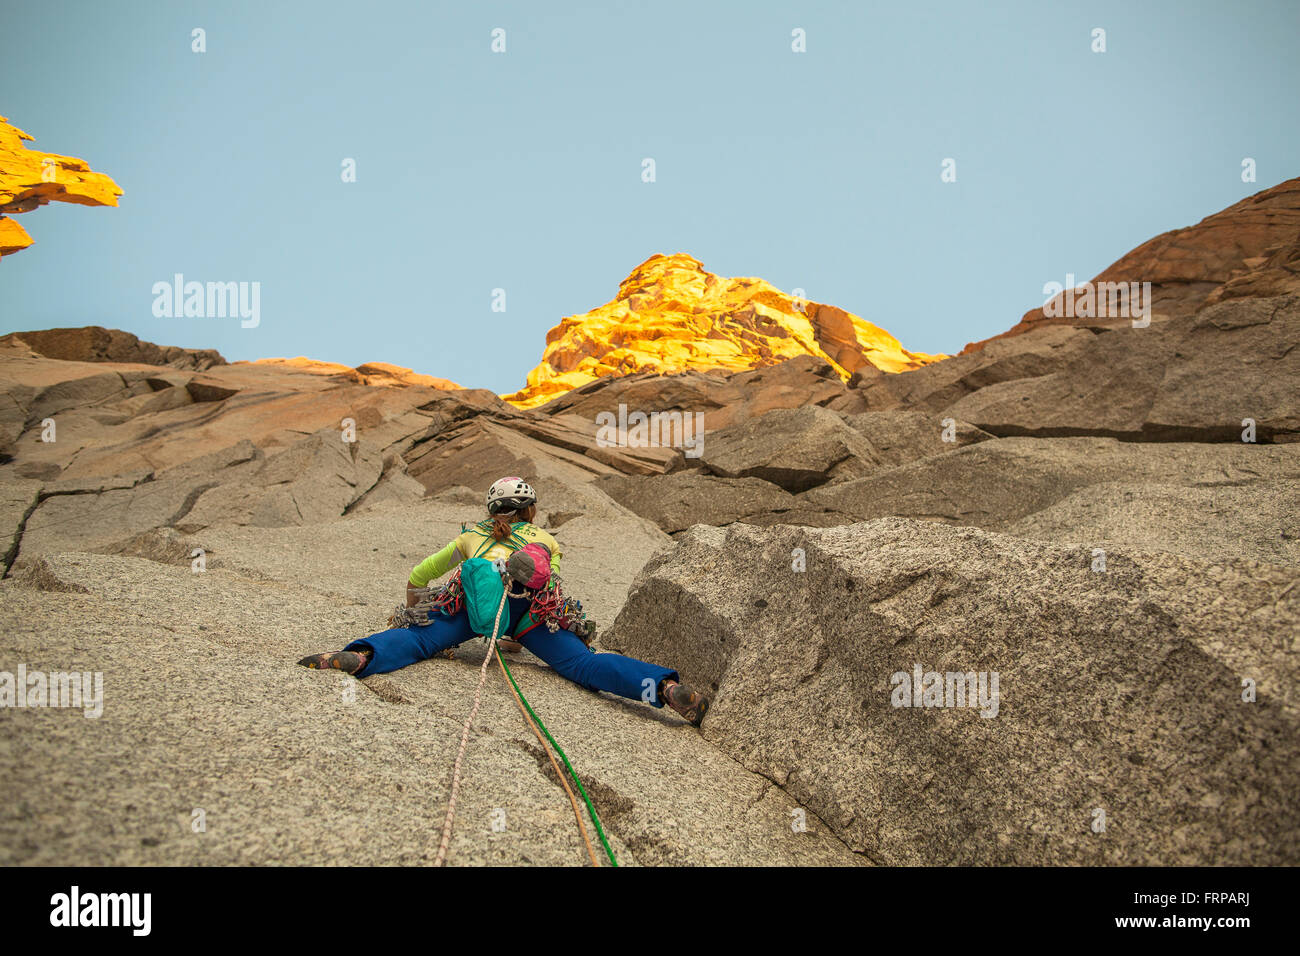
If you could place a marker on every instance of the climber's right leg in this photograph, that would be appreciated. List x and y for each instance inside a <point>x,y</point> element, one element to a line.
<point>396,647</point>
<point>349,662</point>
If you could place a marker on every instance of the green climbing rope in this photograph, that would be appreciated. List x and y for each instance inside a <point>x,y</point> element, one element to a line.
<point>568,766</point>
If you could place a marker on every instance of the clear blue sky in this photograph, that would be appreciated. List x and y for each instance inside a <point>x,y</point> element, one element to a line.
<point>522,170</point>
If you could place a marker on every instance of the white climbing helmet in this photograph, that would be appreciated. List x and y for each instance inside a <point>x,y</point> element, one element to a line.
<point>510,494</point>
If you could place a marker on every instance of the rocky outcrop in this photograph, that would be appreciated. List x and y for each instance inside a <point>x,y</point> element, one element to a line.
<point>723,399</point>
<point>1117,732</point>
<point>1192,378</point>
<point>796,449</point>
<point>755,472</point>
<point>1218,357</point>
<point>371,373</point>
<point>30,178</point>
<point>802,448</point>
<point>1249,495</point>
<point>1249,250</point>
<point>117,437</point>
<point>671,316</point>
<point>897,438</point>
<point>92,343</point>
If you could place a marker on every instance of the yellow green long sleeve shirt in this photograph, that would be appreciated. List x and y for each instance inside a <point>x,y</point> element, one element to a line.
<point>472,543</point>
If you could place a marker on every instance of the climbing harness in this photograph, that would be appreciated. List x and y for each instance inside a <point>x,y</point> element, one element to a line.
<point>418,616</point>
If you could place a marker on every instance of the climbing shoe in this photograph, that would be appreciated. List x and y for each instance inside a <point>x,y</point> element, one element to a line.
<point>691,704</point>
<point>347,661</point>
<point>510,647</point>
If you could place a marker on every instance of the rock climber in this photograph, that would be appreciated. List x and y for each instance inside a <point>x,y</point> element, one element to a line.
<point>540,617</point>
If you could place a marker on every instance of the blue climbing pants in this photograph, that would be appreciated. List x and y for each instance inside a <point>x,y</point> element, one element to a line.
<point>562,650</point>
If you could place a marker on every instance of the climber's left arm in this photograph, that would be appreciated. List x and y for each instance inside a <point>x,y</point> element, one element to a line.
<point>434,566</point>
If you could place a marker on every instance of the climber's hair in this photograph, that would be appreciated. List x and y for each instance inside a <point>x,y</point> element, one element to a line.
<point>501,523</point>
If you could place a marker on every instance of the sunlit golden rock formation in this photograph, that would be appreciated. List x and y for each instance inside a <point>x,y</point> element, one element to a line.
<point>670,315</point>
<point>30,178</point>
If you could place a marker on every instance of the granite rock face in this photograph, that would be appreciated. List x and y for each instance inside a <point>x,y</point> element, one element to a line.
<point>1106,517</point>
<point>204,707</point>
<point>104,437</point>
<point>95,344</point>
<point>1192,378</point>
<point>1249,250</point>
<point>1118,694</point>
<point>1195,498</point>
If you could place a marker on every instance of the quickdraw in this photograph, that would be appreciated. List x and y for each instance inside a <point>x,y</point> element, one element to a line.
<point>552,608</point>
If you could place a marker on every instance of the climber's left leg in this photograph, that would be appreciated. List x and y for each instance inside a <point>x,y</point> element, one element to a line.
<point>572,659</point>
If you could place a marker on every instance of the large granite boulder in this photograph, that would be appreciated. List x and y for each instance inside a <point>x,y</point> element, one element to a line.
<point>796,449</point>
<point>677,501</point>
<point>1144,714</point>
<point>899,437</point>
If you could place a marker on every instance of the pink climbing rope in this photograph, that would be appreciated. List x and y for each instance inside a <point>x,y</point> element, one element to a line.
<point>441,858</point>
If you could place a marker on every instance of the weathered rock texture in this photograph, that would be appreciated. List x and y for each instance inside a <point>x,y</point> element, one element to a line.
<point>803,448</point>
<point>670,316</point>
<point>30,178</point>
<point>112,437</point>
<point>371,373</point>
<point>1192,378</point>
<point>92,343</point>
<point>1247,495</point>
<point>1118,691</point>
<point>1072,507</point>
<point>1249,250</point>
<point>723,398</point>
<point>205,708</point>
